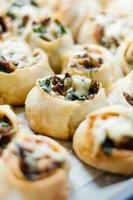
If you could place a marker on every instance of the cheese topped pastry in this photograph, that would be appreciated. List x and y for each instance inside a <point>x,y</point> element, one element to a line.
<point>106,29</point>
<point>17,63</point>
<point>36,164</point>
<point>53,37</point>
<point>105,139</point>
<point>70,97</point>
<point>121,92</point>
<point>30,10</point>
<point>124,56</point>
<point>70,88</point>
<point>49,29</point>
<point>17,54</point>
<point>73,12</point>
<point>92,61</point>
<point>28,7</point>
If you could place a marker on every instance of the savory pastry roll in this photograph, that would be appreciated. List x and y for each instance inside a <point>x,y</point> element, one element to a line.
<point>92,61</point>
<point>30,10</point>
<point>70,98</point>
<point>27,7</point>
<point>73,12</point>
<point>105,29</point>
<point>124,55</point>
<point>19,68</point>
<point>8,126</point>
<point>122,91</point>
<point>36,167</point>
<point>105,140</point>
<point>50,35</point>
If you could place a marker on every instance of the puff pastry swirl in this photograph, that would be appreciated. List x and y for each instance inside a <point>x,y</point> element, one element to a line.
<point>57,104</point>
<point>92,61</point>
<point>18,62</point>
<point>35,167</point>
<point>105,139</point>
<point>52,36</point>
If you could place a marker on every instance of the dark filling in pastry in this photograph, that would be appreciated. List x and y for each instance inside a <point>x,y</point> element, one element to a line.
<point>43,29</point>
<point>101,39</point>
<point>6,66</point>
<point>6,131</point>
<point>30,167</point>
<point>86,62</point>
<point>64,87</point>
<point>99,33</point>
<point>3,26</point>
<point>128,98</point>
<point>24,21</point>
<point>125,144</point>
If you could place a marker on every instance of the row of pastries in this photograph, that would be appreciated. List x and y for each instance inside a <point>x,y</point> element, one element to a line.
<point>70,64</point>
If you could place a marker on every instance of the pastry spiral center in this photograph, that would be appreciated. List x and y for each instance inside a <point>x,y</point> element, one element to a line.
<point>71,87</point>
<point>114,132</point>
<point>37,159</point>
<point>49,29</point>
<point>15,54</point>
<point>111,30</point>
<point>86,61</point>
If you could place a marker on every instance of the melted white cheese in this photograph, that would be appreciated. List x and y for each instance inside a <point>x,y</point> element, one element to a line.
<point>27,9</point>
<point>81,85</point>
<point>17,51</point>
<point>39,152</point>
<point>114,128</point>
<point>114,26</point>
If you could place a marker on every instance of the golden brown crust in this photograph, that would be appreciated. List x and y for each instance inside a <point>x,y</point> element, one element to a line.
<point>16,85</point>
<point>32,190</point>
<point>54,116</point>
<point>84,144</point>
<point>121,92</point>
<point>124,55</point>
<point>92,61</point>
<point>54,48</point>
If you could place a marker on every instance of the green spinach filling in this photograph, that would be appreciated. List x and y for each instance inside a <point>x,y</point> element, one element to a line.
<point>49,29</point>
<point>6,132</point>
<point>65,87</point>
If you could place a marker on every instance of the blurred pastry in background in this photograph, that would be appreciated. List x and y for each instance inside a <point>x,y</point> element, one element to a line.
<point>20,66</point>
<point>35,167</point>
